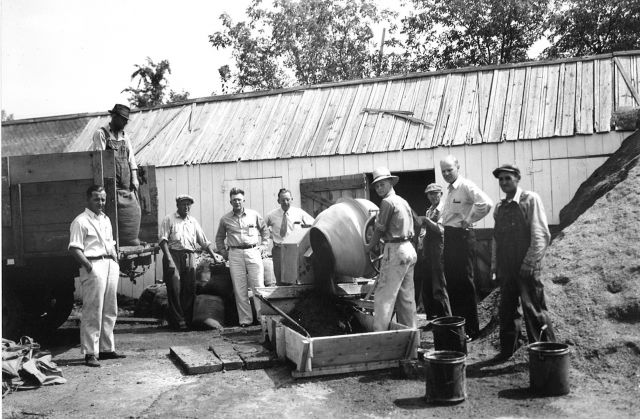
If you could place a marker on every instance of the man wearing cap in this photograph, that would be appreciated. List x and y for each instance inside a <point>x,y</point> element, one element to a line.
<point>435,284</point>
<point>520,239</point>
<point>281,221</point>
<point>395,286</point>
<point>112,137</point>
<point>91,244</point>
<point>247,235</point>
<point>464,206</point>
<point>179,234</point>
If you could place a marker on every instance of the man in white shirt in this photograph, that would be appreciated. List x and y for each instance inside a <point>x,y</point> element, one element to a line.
<point>179,235</point>
<point>92,245</point>
<point>280,230</point>
<point>464,206</point>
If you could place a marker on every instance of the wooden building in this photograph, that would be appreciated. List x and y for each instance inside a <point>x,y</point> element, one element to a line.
<point>552,118</point>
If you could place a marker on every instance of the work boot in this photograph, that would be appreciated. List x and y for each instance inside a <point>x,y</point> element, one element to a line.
<point>111,355</point>
<point>91,361</point>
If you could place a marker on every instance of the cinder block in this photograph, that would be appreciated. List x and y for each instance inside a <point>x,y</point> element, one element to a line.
<point>229,357</point>
<point>196,359</point>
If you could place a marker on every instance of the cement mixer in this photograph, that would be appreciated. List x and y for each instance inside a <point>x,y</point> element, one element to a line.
<point>337,237</point>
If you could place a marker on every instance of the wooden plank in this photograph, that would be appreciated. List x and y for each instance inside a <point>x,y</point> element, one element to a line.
<point>467,124</point>
<point>326,122</point>
<point>229,357</point>
<point>604,105</point>
<point>47,167</point>
<point>445,133</point>
<point>355,120</point>
<point>418,106</point>
<point>405,105</point>
<point>628,94</point>
<point>386,122</point>
<point>6,194</point>
<point>300,120</point>
<point>346,182</point>
<point>340,120</point>
<point>496,112</point>
<point>560,186</point>
<point>304,142</point>
<point>98,172</point>
<point>567,119</point>
<point>343,369</point>
<point>196,359</point>
<point>370,121</point>
<point>577,113</point>
<point>550,102</point>
<point>534,97</point>
<point>432,113</point>
<point>282,141</point>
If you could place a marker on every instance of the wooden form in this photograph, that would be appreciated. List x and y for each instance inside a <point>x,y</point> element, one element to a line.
<point>336,354</point>
<point>196,359</point>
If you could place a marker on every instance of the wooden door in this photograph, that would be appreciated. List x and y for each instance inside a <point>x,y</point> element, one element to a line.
<point>320,193</point>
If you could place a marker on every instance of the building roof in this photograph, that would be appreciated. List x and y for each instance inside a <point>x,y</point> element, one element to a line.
<point>523,101</point>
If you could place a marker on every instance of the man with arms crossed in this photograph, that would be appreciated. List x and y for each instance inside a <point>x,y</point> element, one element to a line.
<point>246,234</point>
<point>464,206</point>
<point>520,239</point>
<point>395,286</point>
<point>92,245</point>
<point>281,222</point>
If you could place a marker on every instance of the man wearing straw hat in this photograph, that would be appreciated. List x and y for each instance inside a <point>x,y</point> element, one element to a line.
<point>435,284</point>
<point>112,137</point>
<point>179,235</point>
<point>394,224</point>
<point>520,239</point>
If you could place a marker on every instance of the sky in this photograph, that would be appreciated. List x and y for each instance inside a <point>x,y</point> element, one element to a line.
<point>73,56</point>
<point>64,57</point>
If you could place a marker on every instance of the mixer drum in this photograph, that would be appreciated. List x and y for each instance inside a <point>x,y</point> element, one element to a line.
<point>336,238</point>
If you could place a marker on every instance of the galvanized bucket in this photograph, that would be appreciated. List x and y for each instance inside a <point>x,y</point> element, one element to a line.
<point>549,365</point>
<point>445,375</point>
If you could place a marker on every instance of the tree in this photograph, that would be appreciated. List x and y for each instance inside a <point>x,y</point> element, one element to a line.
<point>456,33</point>
<point>153,78</point>
<point>303,42</point>
<point>589,27</point>
<point>6,116</point>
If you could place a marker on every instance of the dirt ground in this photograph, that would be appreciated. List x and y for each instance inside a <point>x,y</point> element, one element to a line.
<point>149,384</point>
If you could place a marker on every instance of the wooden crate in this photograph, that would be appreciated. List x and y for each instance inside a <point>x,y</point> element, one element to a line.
<point>335,354</point>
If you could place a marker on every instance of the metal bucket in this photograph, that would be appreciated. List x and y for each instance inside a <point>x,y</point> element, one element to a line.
<point>549,365</point>
<point>336,238</point>
<point>445,375</point>
<point>449,335</point>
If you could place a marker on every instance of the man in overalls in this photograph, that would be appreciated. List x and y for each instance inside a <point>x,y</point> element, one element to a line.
<point>113,137</point>
<point>520,239</point>
<point>434,289</point>
<point>394,223</point>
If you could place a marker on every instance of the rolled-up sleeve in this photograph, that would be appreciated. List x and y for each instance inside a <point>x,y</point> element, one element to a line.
<point>540,235</point>
<point>264,230</point>
<point>77,235</point>
<point>99,141</point>
<point>221,234</point>
<point>482,204</point>
<point>165,230</point>
<point>384,216</point>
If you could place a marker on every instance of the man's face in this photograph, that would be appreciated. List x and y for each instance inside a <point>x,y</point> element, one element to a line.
<point>237,201</point>
<point>184,207</point>
<point>508,182</point>
<point>97,202</point>
<point>285,201</point>
<point>434,198</point>
<point>383,187</point>
<point>118,122</point>
<point>449,170</point>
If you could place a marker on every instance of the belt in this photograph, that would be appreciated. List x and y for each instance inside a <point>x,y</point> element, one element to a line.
<point>246,246</point>
<point>398,240</point>
<point>102,257</point>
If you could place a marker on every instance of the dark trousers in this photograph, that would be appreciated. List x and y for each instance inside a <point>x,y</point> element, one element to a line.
<point>459,257</point>
<point>181,287</point>
<point>435,284</point>
<point>515,288</point>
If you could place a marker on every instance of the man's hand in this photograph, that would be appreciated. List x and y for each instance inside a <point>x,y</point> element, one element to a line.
<point>465,225</point>
<point>526,270</point>
<point>134,180</point>
<point>90,268</point>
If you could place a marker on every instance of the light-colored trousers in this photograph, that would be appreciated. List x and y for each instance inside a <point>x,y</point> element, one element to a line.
<point>395,288</point>
<point>247,271</point>
<point>99,306</point>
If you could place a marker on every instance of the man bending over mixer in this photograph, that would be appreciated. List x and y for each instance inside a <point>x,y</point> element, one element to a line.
<point>395,286</point>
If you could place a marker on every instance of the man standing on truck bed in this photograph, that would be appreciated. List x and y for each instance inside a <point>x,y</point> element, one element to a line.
<point>394,223</point>
<point>179,235</point>
<point>113,137</point>
<point>91,244</point>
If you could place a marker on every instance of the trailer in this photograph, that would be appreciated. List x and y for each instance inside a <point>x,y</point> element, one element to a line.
<point>41,195</point>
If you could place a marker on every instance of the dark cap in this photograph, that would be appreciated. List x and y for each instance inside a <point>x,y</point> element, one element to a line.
<point>121,110</point>
<point>506,168</point>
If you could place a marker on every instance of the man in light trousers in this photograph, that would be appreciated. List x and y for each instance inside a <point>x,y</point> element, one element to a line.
<point>247,235</point>
<point>92,245</point>
<point>394,223</point>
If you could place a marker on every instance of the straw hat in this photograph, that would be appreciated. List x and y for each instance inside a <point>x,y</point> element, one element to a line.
<point>382,173</point>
